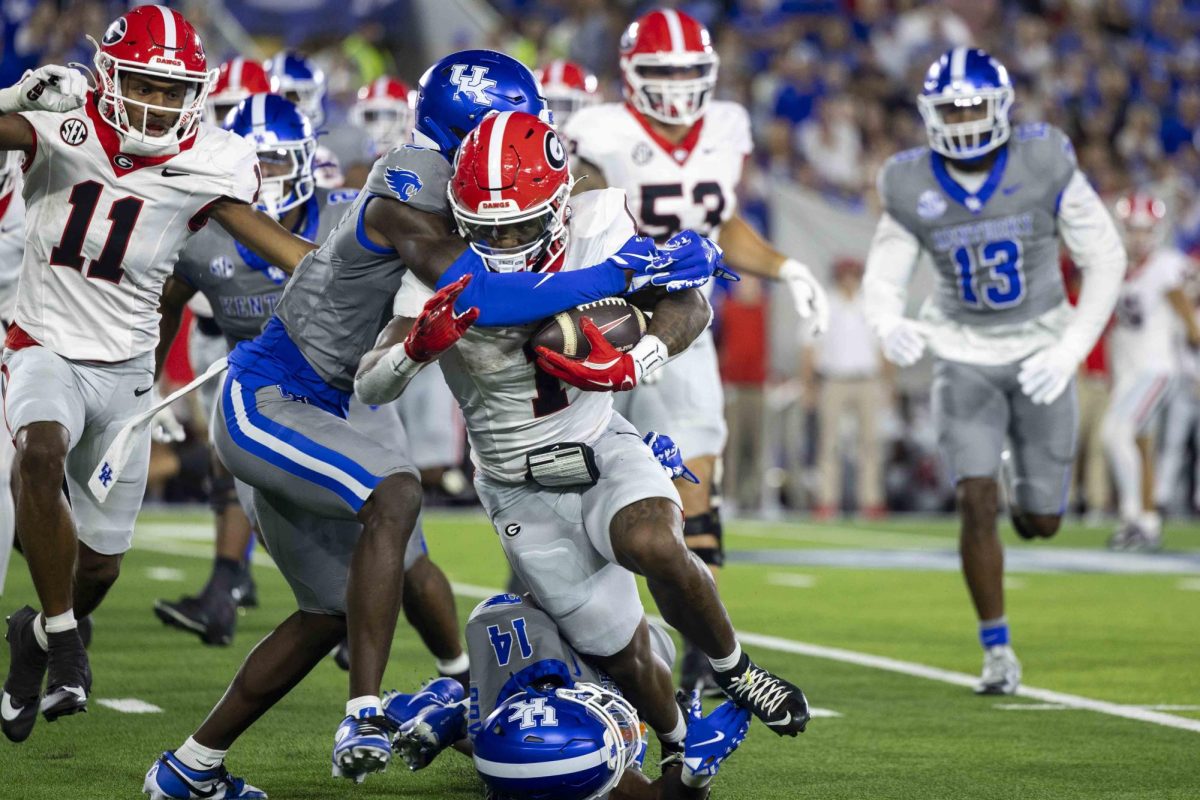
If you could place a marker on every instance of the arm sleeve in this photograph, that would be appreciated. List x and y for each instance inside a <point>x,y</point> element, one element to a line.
<point>411,298</point>
<point>890,264</point>
<point>246,177</point>
<point>1088,231</point>
<point>523,298</point>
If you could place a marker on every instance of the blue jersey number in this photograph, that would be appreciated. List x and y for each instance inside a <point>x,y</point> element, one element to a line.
<point>502,641</point>
<point>1001,282</point>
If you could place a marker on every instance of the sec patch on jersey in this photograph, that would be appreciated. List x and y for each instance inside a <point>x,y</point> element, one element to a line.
<point>623,326</point>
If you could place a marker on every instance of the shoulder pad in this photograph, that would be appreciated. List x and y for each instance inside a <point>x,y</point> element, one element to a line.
<point>497,600</point>
<point>907,155</point>
<point>1031,130</point>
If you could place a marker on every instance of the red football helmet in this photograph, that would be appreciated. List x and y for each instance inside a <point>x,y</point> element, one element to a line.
<point>237,79</point>
<point>669,65</point>
<point>567,88</point>
<point>1141,210</point>
<point>156,43</point>
<point>509,193</point>
<point>384,109</point>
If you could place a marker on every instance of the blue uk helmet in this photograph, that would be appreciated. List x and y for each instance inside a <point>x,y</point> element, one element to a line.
<point>966,78</point>
<point>456,93</point>
<point>548,743</point>
<point>285,142</point>
<point>300,80</point>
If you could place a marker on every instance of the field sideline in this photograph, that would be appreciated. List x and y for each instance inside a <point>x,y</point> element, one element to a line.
<point>839,608</point>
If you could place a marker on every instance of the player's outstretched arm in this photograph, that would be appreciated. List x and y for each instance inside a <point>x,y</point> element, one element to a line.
<point>49,88</point>
<point>175,296</point>
<point>261,233</point>
<point>746,251</point>
<point>890,265</point>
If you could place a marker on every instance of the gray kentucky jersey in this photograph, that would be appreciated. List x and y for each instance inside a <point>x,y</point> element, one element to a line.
<point>242,290</point>
<point>995,251</point>
<point>340,296</point>
<point>508,635</point>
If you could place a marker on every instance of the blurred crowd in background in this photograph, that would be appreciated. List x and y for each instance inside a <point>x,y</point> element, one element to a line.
<point>830,85</point>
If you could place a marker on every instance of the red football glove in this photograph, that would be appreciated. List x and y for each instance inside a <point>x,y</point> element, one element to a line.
<point>604,370</point>
<point>439,326</point>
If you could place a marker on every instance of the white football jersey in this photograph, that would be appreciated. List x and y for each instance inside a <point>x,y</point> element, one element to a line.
<point>12,248</point>
<point>1142,338</point>
<point>105,229</point>
<point>510,406</point>
<point>689,186</point>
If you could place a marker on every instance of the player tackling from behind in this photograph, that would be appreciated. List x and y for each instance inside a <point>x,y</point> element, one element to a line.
<point>988,204</point>
<point>116,180</point>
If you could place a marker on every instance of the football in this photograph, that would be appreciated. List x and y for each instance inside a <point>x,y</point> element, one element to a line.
<point>623,326</point>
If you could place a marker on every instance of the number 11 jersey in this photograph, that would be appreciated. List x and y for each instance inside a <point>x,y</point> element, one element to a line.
<point>104,228</point>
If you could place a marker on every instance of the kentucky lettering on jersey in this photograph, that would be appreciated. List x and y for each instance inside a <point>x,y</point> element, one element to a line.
<point>341,294</point>
<point>995,252</point>
<point>510,406</point>
<point>242,296</point>
<point>670,187</point>
<point>105,228</point>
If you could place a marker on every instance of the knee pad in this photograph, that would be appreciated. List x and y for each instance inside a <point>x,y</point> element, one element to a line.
<point>707,525</point>
<point>222,491</point>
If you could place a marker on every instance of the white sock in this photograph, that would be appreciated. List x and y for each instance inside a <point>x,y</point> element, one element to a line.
<point>454,666</point>
<point>366,702</point>
<point>198,757</point>
<point>679,732</point>
<point>61,622</point>
<point>39,632</point>
<point>728,662</point>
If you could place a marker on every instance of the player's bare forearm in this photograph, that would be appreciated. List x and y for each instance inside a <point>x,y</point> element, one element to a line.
<point>392,334</point>
<point>16,134</point>
<point>261,233</point>
<point>1183,308</point>
<point>426,243</point>
<point>175,296</point>
<point>679,318</point>
<point>746,251</point>
<point>589,177</point>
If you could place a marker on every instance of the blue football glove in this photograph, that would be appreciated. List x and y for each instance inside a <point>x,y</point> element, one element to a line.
<point>639,256</point>
<point>693,261</point>
<point>712,739</point>
<point>667,453</point>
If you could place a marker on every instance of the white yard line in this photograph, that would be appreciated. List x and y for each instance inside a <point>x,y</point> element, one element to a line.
<point>130,705</point>
<point>792,580</point>
<point>779,644</point>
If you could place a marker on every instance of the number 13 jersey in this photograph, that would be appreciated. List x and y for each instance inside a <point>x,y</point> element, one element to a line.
<point>688,186</point>
<point>105,228</point>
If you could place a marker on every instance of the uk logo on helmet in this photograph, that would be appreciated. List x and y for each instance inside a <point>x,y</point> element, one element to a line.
<point>475,84</point>
<point>532,713</point>
<point>404,183</point>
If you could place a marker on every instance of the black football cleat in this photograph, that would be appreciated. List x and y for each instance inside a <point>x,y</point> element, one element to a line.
<point>213,618</point>
<point>780,705</point>
<point>26,671</point>
<point>245,592</point>
<point>69,676</point>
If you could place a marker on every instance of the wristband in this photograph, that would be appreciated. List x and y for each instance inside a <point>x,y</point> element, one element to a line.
<point>692,780</point>
<point>648,354</point>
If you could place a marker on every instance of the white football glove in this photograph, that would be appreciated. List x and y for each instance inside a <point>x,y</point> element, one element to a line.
<point>165,427</point>
<point>48,88</point>
<point>807,294</point>
<point>1045,374</point>
<point>903,344</point>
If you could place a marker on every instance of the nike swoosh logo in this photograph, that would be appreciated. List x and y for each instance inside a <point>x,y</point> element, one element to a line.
<point>614,323</point>
<point>77,691</point>
<point>168,173</point>
<point>140,392</point>
<point>199,791</point>
<point>1007,190</point>
<point>8,710</point>
<point>549,275</point>
<point>719,737</point>
<point>781,722</point>
<point>10,228</point>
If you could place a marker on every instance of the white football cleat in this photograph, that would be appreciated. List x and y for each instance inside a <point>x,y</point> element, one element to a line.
<point>1001,671</point>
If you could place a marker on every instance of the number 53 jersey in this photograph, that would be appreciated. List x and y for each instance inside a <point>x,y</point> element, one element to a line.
<point>104,228</point>
<point>670,187</point>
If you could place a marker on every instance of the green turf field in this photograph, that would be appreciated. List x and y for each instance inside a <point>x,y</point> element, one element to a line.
<point>1130,641</point>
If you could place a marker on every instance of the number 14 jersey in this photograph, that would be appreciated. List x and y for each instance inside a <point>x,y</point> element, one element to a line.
<point>104,228</point>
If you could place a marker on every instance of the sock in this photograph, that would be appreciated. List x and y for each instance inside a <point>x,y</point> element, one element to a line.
<point>39,632</point>
<point>679,732</point>
<point>60,622</point>
<point>196,756</point>
<point>728,662</point>
<point>993,632</point>
<point>367,703</point>
<point>227,573</point>
<point>454,666</point>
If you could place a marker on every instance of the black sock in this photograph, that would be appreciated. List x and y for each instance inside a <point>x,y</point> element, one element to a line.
<point>226,573</point>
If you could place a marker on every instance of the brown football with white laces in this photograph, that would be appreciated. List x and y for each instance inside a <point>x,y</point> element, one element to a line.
<point>623,326</point>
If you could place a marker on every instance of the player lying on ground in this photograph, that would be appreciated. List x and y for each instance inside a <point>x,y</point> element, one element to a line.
<point>988,207</point>
<point>116,180</point>
<point>581,502</point>
<point>280,423</point>
<point>545,721</point>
